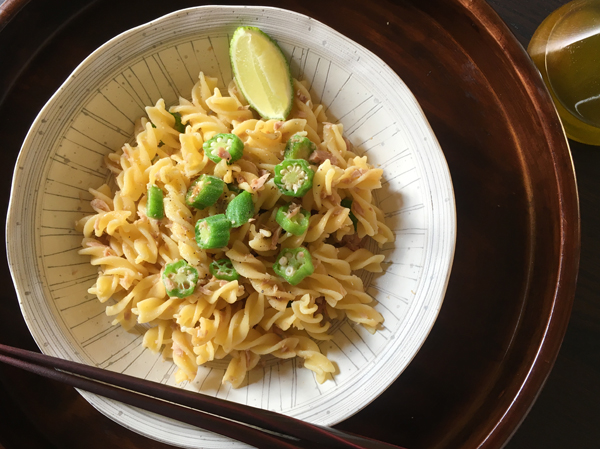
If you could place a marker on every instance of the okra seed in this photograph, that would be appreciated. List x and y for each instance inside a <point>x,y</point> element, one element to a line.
<point>289,271</point>
<point>288,255</point>
<point>283,261</point>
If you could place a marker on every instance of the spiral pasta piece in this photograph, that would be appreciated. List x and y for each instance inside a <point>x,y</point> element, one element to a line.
<point>314,360</point>
<point>326,178</point>
<point>158,336</point>
<point>241,362</point>
<point>362,259</point>
<point>228,109</point>
<point>255,271</point>
<point>321,225</point>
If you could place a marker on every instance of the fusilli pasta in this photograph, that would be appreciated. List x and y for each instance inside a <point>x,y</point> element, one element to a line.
<point>259,313</point>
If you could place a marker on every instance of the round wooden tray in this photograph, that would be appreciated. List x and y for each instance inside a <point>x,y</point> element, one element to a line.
<point>514,274</point>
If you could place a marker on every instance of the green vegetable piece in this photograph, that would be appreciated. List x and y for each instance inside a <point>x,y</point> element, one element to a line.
<point>293,219</point>
<point>233,188</point>
<point>155,203</point>
<point>293,265</point>
<point>224,146</point>
<point>180,279</point>
<point>240,209</point>
<point>347,202</point>
<point>213,231</point>
<point>223,269</point>
<point>204,191</point>
<point>178,126</point>
<point>294,177</point>
<point>298,147</point>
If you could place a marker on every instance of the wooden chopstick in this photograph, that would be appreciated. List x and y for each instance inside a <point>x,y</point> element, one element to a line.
<point>254,426</point>
<point>197,418</point>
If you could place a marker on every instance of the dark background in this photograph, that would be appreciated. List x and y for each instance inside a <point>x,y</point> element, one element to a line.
<point>567,411</point>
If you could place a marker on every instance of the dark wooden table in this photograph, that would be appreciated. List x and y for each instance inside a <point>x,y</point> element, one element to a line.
<point>567,411</point>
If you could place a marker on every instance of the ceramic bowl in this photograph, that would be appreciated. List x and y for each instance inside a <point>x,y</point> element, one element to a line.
<point>93,114</point>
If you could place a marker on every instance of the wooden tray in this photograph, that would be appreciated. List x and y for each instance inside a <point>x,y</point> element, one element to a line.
<point>514,274</point>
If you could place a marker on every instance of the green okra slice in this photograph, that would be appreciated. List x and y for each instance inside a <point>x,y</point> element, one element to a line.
<point>213,232</point>
<point>223,270</point>
<point>240,209</point>
<point>299,147</point>
<point>204,191</point>
<point>293,177</point>
<point>179,279</point>
<point>293,218</point>
<point>294,264</point>
<point>155,202</point>
<point>224,146</point>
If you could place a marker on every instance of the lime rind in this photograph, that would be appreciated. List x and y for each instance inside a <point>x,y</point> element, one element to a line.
<point>259,85</point>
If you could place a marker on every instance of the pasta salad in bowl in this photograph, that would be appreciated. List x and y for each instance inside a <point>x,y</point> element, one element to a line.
<point>294,263</point>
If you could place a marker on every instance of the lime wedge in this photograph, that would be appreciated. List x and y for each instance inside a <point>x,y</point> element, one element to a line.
<point>261,72</point>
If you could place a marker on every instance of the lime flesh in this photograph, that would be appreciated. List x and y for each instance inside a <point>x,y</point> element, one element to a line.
<point>261,73</point>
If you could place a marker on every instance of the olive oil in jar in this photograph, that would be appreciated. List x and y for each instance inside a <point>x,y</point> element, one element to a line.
<point>566,50</point>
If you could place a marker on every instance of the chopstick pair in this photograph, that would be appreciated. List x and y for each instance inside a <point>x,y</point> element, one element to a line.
<point>257,427</point>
